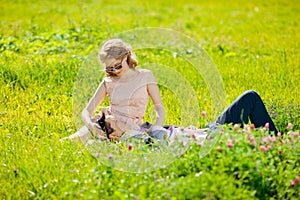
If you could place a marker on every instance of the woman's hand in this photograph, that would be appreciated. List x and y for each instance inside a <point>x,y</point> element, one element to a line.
<point>92,126</point>
<point>95,129</point>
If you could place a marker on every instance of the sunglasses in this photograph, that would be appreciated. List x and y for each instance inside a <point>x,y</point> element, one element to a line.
<point>116,67</point>
<point>112,69</point>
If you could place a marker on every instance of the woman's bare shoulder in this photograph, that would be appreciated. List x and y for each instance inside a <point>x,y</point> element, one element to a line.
<point>147,75</point>
<point>145,72</point>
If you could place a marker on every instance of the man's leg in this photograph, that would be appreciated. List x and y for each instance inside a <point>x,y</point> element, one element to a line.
<point>248,105</point>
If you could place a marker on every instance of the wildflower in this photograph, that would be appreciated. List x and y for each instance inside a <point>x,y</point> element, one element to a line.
<point>292,183</point>
<point>230,145</point>
<point>265,140</point>
<point>110,156</point>
<point>219,149</point>
<point>270,146</point>
<point>253,143</point>
<point>290,126</point>
<point>251,139</point>
<point>246,128</point>
<point>272,139</point>
<point>130,147</point>
<point>296,134</point>
<point>267,125</point>
<point>263,148</point>
<point>252,126</point>
<point>221,130</point>
<point>279,135</point>
<point>97,155</point>
<point>297,180</point>
<point>203,114</point>
<point>236,127</point>
<point>198,174</point>
<point>279,151</point>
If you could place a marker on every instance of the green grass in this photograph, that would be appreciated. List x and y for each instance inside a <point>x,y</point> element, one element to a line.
<point>43,45</point>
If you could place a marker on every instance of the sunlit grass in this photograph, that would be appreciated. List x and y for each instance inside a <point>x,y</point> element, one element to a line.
<point>43,45</point>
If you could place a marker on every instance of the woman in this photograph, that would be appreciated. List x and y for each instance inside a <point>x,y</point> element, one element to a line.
<point>128,90</point>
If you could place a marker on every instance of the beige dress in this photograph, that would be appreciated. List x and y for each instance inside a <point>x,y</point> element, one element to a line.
<point>129,98</point>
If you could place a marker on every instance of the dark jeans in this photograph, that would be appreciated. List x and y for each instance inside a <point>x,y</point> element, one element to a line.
<point>247,106</point>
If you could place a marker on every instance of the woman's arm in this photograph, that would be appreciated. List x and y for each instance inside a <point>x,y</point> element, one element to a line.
<point>154,94</point>
<point>94,102</point>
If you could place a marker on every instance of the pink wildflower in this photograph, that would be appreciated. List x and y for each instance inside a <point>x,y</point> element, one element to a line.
<point>296,134</point>
<point>272,139</point>
<point>265,140</point>
<point>297,180</point>
<point>290,126</point>
<point>246,128</point>
<point>219,149</point>
<point>267,125</point>
<point>110,156</point>
<point>253,143</point>
<point>230,145</point>
<point>221,130</point>
<point>203,114</point>
<point>279,135</point>
<point>263,148</point>
<point>252,126</point>
<point>292,183</point>
<point>130,147</point>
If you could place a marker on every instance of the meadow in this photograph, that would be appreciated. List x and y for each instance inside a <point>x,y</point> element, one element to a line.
<point>44,44</point>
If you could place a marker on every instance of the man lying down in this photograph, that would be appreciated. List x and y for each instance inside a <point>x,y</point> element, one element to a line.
<point>147,133</point>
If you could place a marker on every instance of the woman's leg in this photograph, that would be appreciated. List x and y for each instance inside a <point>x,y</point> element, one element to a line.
<point>247,106</point>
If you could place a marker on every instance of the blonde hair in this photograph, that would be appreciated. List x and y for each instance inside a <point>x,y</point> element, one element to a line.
<point>116,49</point>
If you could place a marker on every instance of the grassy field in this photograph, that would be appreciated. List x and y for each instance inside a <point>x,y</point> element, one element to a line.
<point>43,45</point>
